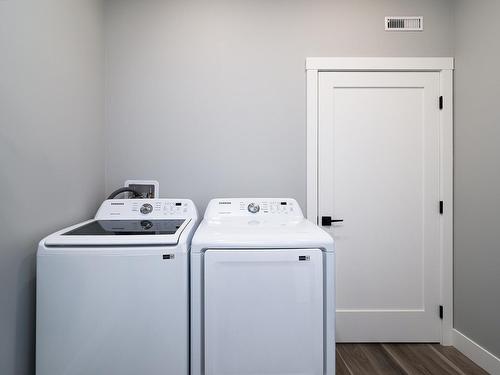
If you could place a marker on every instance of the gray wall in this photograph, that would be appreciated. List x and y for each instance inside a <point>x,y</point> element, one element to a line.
<point>51,147</point>
<point>208,97</point>
<point>477,173</point>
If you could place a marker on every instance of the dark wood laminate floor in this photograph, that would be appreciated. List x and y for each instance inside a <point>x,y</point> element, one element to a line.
<point>405,359</point>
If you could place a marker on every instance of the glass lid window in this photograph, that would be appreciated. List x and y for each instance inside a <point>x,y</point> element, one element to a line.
<point>126,228</point>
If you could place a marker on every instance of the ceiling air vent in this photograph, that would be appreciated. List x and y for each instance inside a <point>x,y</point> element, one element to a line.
<point>404,23</point>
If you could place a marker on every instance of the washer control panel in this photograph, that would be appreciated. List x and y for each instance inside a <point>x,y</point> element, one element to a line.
<point>130,209</point>
<point>253,207</point>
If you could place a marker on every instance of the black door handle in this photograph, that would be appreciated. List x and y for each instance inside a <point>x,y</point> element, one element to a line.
<point>326,221</point>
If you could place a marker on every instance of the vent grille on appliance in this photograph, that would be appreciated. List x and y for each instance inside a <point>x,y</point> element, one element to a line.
<point>404,23</point>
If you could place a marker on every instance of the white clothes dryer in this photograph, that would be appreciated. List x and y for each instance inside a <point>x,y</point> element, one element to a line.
<point>262,291</point>
<point>113,292</point>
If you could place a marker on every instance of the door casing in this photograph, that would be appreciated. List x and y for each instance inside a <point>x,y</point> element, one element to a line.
<point>444,66</point>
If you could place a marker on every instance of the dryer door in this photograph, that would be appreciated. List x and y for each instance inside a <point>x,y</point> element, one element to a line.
<point>263,312</point>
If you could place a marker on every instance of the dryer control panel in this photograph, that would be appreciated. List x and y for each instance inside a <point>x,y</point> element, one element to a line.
<point>253,207</point>
<point>131,209</point>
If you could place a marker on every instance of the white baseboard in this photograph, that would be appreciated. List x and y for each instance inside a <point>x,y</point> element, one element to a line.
<point>476,353</point>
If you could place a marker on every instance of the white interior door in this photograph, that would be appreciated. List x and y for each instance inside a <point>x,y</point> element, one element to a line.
<point>263,312</point>
<point>379,172</point>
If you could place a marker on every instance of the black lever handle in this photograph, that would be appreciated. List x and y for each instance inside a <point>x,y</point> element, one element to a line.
<point>326,221</point>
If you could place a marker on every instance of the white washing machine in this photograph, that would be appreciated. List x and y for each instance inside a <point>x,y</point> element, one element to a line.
<point>262,291</point>
<point>113,292</point>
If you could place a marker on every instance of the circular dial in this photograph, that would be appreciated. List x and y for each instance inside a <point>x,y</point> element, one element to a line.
<point>146,209</point>
<point>253,208</point>
<point>146,224</point>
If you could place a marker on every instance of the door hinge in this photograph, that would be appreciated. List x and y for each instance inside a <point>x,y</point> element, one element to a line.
<point>441,207</point>
<point>441,312</point>
<point>441,102</point>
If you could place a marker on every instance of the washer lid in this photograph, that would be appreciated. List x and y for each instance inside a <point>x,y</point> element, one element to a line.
<point>119,233</point>
<point>126,228</point>
<point>131,222</point>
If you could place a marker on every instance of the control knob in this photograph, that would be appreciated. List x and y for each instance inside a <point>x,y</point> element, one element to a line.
<point>253,208</point>
<point>146,209</point>
<point>146,224</point>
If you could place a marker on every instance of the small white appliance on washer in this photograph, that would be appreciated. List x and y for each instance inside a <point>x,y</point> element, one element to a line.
<point>113,292</point>
<point>262,291</point>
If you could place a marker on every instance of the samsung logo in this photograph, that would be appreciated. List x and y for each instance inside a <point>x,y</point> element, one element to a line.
<point>224,202</point>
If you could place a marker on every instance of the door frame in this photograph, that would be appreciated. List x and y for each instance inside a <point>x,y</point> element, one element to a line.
<point>444,66</point>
